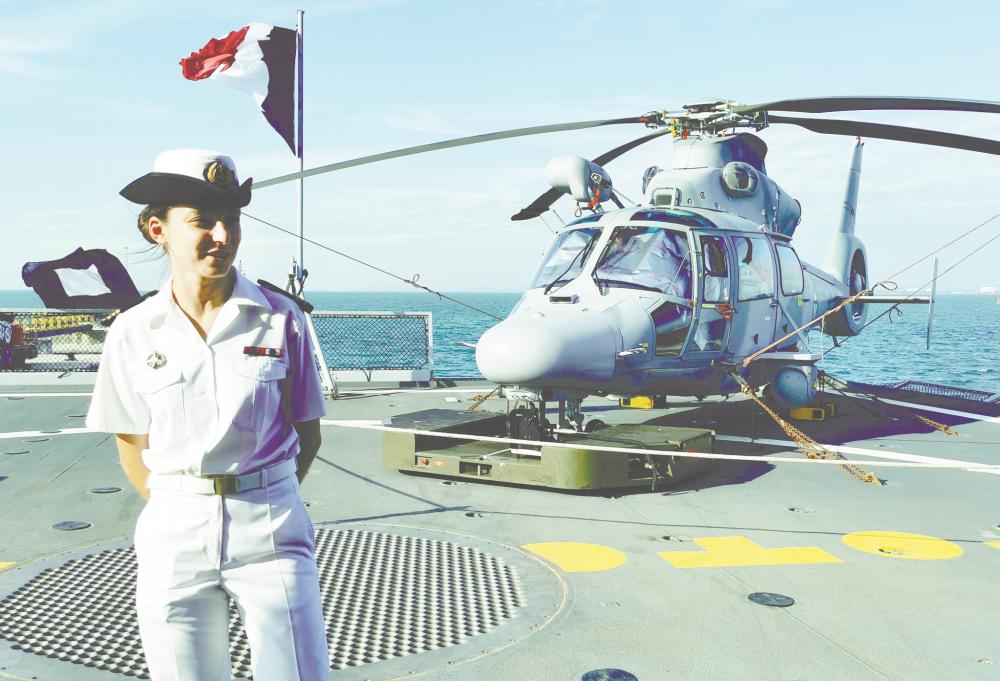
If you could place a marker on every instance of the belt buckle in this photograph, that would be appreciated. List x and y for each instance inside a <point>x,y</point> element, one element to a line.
<point>223,484</point>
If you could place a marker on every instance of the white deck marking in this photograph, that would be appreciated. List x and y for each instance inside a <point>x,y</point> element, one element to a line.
<point>940,463</point>
<point>347,391</point>
<point>46,394</point>
<point>941,410</point>
<point>897,456</point>
<point>391,391</point>
<point>41,433</point>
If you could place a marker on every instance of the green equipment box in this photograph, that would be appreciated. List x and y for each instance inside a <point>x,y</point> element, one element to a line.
<point>543,466</point>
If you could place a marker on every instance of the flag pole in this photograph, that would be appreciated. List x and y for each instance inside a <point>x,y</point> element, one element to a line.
<point>329,384</point>
<point>298,146</point>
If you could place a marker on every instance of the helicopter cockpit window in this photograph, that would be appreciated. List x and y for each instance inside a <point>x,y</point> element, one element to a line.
<point>715,265</point>
<point>566,257</point>
<point>756,268</point>
<point>791,270</point>
<point>649,258</point>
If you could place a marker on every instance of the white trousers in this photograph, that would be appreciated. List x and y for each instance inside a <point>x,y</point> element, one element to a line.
<point>257,546</point>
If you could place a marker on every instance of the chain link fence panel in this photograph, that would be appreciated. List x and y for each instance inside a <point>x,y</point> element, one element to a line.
<point>375,340</point>
<point>55,341</point>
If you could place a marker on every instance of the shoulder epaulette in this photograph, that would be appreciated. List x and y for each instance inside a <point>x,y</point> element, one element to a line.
<point>303,304</point>
<point>107,321</point>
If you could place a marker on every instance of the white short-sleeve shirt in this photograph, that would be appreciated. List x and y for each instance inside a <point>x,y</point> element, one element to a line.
<point>222,405</point>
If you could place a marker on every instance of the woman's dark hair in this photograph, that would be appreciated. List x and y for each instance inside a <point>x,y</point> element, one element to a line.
<point>153,211</point>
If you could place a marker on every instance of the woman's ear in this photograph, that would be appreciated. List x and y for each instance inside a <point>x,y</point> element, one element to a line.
<point>156,231</point>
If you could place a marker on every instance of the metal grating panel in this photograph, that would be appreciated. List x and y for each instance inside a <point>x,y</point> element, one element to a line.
<point>384,596</point>
<point>945,391</point>
<point>370,340</point>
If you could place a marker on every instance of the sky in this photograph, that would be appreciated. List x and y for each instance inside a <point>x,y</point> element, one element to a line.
<point>94,92</point>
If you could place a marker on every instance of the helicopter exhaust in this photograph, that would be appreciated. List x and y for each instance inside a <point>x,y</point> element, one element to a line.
<point>846,258</point>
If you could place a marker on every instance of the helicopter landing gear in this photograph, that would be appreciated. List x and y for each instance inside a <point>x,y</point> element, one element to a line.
<point>529,423</point>
<point>571,415</point>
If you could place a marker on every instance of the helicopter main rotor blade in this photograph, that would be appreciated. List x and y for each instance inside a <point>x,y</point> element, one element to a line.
<point>543,202</point>
<point>447,144</point>
<point>830,104</point>
<point>893,132</point>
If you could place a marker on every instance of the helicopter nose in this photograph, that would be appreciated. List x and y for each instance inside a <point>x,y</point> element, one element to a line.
<point>533,348</point>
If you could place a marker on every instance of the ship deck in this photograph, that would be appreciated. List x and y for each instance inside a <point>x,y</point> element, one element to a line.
<point>462,579</point>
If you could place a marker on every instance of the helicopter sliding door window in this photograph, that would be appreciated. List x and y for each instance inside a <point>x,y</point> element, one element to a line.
<point>565,258</point>
<point>648,258</point>
<point>672,322</point>
<point>715,265</point>
<point>791,270</point>
<point>756,268</point>
<point>710,333</point>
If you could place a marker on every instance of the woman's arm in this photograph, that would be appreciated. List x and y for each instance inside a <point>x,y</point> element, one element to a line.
<point>309,441</point>
<point>130,455</point>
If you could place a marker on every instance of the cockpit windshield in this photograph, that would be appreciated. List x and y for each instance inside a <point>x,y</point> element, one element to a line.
<point>650,258</point>
<point>566,257</point>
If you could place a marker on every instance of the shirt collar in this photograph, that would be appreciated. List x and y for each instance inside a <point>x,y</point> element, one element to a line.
<point>245,293</point>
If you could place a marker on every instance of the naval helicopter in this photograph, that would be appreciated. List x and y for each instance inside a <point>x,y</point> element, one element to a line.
<point>669,297</point>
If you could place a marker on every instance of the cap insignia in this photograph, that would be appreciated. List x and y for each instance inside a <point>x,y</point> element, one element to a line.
<point>221,175</point>
<point>156,360</point>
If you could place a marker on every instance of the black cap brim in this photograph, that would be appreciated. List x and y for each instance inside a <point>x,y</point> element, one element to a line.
<point>171,189</point>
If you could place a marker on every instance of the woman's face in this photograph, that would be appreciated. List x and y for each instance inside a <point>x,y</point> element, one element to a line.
<point>200,240</point>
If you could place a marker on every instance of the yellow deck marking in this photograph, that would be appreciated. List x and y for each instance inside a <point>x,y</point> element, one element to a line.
<point>4,566</point>
<point>576,557</point>
<point>994,544</point>
<point>741,552</point>
<point>902,545</point>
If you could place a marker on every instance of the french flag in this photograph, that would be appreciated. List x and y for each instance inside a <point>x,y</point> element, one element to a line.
<point>259,59</point>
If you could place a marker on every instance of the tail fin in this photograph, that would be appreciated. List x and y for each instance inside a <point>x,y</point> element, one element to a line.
<point>844,246</point>
<point>846,259</point>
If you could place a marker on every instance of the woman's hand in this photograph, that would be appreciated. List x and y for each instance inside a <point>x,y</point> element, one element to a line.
<point>309,441</point>
<point>130,455</point>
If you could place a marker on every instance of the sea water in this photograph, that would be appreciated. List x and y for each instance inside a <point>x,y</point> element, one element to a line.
<point>965,338</point>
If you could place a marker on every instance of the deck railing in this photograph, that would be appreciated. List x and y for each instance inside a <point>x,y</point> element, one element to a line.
<point>366,346</point>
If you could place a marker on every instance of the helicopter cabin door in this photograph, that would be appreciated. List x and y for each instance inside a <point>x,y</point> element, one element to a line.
<point>756,309</point>
<point>715,309</point>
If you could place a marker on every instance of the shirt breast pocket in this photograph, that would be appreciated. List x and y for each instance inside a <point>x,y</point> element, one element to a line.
<point>262,377</point>
<point>163,391</point>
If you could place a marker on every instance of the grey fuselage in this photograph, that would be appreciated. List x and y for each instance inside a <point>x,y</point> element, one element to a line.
<point>586,336</point>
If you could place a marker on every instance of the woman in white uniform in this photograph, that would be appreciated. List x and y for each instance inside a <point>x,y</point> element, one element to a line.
<point>211,389</point>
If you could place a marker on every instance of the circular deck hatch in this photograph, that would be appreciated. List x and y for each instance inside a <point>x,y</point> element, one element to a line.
<point>388,595</point>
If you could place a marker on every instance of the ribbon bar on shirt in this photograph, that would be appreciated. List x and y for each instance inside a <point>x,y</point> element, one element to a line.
<point>263,352</point>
